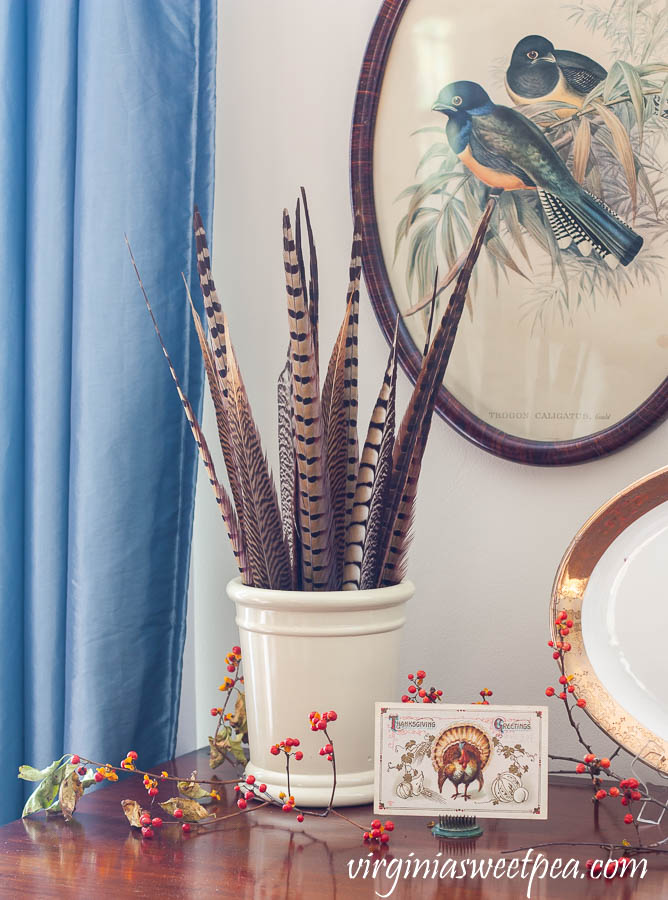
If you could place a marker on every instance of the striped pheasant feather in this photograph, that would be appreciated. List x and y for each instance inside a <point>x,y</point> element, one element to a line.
<point>286,457</point>
<point>335,426</point>
<point>222,498</point>
<point>351,365</point>
<point>411,440</point>
<point>362,551</point>
<point>313,286</point>
<point>220,408</point>
<point>313,507</point>
<point>263,531</point>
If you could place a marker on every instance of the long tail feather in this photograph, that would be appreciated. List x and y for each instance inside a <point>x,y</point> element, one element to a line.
<point>362,552</point>
<point>411,440</point>
<point>286,456</point>
<point>220,408</point>
<point>222,498</point>
<point>313,287</point>
<point>335,426</point>
<point>351,365</point>
<point>314,508</point>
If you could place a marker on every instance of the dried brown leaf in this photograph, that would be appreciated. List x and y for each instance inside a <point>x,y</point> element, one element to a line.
<point>581,149</point>
<point>69,793</point>
<point>192,810</point>
<point>133,812</point>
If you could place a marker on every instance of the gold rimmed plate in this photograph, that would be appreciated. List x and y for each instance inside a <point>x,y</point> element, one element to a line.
<point>613,583</point>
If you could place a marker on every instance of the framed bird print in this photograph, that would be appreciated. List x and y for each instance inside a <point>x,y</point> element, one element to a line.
<point>479,760</point>
<point>558,114</point>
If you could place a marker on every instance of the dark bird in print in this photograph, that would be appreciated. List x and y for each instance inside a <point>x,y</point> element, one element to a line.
<point>459,756</point>
<point>539,73</point>
<point>507,151</point>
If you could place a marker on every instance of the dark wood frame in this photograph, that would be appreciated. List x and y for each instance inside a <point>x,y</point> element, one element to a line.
<point>540,453</point>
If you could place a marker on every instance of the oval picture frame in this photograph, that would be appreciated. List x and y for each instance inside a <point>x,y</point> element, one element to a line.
<point>486,435</point>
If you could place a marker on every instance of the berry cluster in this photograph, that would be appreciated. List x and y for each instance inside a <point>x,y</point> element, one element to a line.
<point>610,869</point>
<point>129,761</point>
<point>319,720</point>
<point>233,659</point>
<point>251,789</point>
<point>287,746</point>
<point>105,772</point>
<point>560,648</point>
<point>379,832</point>
<point>151,785</point>
<point>484,693</point>
<point>148,824</point>
<point>417,693</point>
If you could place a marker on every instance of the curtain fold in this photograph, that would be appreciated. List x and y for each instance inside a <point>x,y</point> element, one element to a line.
<point>108,114</point>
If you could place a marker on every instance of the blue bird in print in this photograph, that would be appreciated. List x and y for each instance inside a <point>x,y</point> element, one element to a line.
<point>507,151</point>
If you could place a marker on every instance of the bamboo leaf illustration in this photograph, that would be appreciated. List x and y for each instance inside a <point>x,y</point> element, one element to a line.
<point>636,94</point>
<point>624,148</point>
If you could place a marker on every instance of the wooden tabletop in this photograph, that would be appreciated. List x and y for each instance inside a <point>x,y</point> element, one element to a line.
<point>268,854</point>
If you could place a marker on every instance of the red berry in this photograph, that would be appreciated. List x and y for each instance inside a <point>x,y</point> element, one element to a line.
<point>332,716</point>
<point>563,679</point>
<point>375,833</point>
<point>274,750</point>
<point>636,795</point>
<point>299,755</point>
<point>560,645</point>
<point>589,758</point>
<point>185,828</point>
<point>604,763</point>
<point>286,807</point>
<point>288,742</point>
<point>147,832</point>
<point>562,696</point>
<point>614,791</point>
<point>580,768</point>
<point>144,819</point>
<point>237,787</point>
<point>439,693</point>
<point>570,688</point>
<point>624,801</point>
<point>366,836</point>
<point>410,676</point>
<point>550,643</point>
<point>549,692</point>
<point>295,742</point>
<point>421,673</point>
<point>582,702</point>
<point>300,818</point>
<point>555,655</point>
<point>322,724</point>
<point>422,692</point>
<point>262,788</point>
<point>75,760</point>
<point>412,689</point>
<point>81,770</point>
<point>633,783</point>
<point>230,668</point>
<point>214,711</point>
<point>98,777</point>
<point>384,838</point>
<point>589,863</point>
<point>600,795</point>
<point>132,754</point>
<point>375,823</point>
<point>322,751</point>
<point>565,631</point>
<point>241,803</point>
<point>329,757</point>
<point>250,779</point>
<point>389,825</point>
<point>567,647</point>
<point>328,748</point>
<point>569,623</point>
<point>236,650</point>
<point>153,792</point>
<point>405,698</point>
<point>178,812</point>
<point>628,819</point>
<point>157,822</point>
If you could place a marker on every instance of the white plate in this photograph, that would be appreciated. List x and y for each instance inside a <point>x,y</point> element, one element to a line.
<point>613,582</point>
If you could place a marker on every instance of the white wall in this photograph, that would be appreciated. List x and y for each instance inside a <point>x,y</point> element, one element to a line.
<point>489,534</point>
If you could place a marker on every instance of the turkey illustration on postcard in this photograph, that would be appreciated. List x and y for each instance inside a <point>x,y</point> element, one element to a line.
<point>479,760</point>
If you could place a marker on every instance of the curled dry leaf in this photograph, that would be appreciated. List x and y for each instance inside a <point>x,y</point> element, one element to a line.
<point>192,789</point>
<point>133,812</point>
<point>238,720</point>
<point>70,791</point>
<point>192,810</point>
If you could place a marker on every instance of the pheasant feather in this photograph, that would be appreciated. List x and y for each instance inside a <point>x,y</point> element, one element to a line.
<point>335,426</point>
<point>351,365</point>
<point>313,507</point>
<point>286,456</point>
<point>414,431</point>
<point>373,478</point>
<point>313,287</point>
<point>222,498</point>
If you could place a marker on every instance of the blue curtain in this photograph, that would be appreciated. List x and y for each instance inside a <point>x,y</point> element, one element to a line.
<point>107,123</point>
